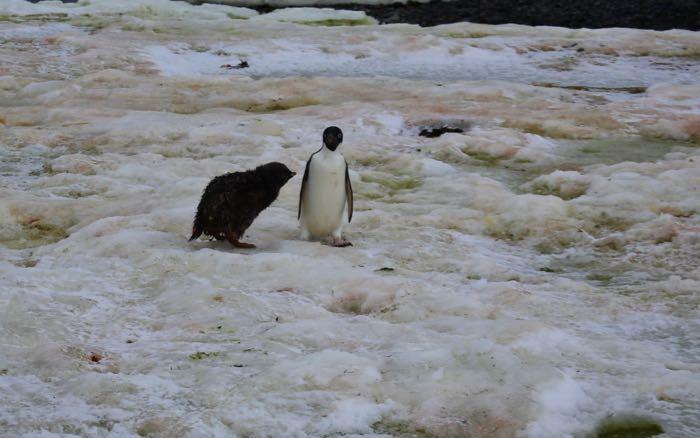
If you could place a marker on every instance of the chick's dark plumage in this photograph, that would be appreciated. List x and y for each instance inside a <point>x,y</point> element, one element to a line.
<point>231,202</point>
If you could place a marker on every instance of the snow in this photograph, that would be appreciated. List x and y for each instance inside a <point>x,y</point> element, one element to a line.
<point>314,15</point>
<point>530,276</point>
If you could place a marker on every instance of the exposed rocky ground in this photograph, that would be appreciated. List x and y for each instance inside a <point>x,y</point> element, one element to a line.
<point>642,14</point>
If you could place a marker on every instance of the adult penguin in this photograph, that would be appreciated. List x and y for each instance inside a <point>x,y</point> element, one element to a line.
<point>325,189</point>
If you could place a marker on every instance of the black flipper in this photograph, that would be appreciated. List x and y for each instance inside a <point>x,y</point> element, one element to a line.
<point>348,192</point>
<point>305,180</point>
<point>303,184</point>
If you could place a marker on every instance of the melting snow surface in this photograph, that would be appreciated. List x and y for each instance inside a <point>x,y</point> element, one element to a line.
<point>531,276</point>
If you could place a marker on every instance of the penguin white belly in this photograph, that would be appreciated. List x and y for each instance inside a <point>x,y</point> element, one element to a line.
<point>324,197</point>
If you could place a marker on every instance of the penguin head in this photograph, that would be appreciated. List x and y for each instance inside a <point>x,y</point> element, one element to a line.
<point>275,173</point>
<point>332,137</point>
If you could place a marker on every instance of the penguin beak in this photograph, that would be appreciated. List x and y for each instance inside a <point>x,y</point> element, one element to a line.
<point>294,173</point>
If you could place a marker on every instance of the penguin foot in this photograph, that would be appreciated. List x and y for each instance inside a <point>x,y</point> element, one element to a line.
<point>233,239</point>
<point>337,242</point>
<point>238,244</point>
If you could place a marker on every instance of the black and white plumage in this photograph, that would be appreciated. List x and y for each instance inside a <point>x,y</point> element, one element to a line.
<point>231,202</point>
<point>325,190</point>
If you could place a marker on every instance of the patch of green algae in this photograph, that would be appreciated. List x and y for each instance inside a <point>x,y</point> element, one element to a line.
<point>279,105</point>
<point>626,427</point>
<point>43,18</point>
<point>400,429</point>
<point>203,355</point>
<point>468,34</point>
<point>337,22</point>
<point>233,16</point>
<point>394,183</point>
<point>482,157</point>
<point>545,189</point>
<point>35,234</point>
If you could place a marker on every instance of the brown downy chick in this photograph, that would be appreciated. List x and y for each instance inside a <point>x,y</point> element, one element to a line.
<point>231,202</point>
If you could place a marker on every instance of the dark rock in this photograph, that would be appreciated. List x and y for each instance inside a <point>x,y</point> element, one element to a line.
<point>242,64</point>
<point>641,14</point>
<point>437,132</point>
